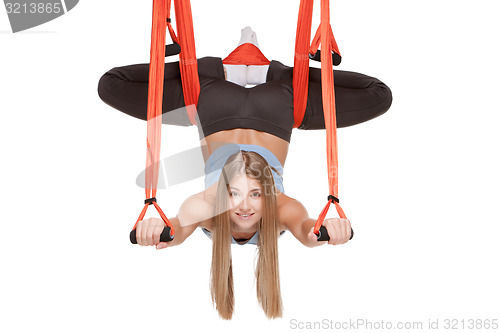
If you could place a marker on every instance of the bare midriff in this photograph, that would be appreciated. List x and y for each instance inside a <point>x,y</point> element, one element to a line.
<point>276,145</point>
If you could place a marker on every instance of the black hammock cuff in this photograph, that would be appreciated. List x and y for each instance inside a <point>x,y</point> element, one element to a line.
<point>331,197</point>
<point>150,201</point>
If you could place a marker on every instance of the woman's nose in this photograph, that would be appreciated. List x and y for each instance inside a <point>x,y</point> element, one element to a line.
<point>244,205</point>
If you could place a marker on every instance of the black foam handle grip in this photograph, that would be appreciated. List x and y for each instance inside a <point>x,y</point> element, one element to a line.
<point>323,234</point>
<point>164,237</point>
<point>336,58</point>
<point>172,49</point>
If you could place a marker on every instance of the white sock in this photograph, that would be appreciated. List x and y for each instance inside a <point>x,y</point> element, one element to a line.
<point>248,36</point>
<point>257,74</point>
<point>237,74</point>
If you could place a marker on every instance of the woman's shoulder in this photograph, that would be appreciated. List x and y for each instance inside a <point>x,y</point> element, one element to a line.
<point>198,208</point>
<point>284,200</point>
<point>290,210</point>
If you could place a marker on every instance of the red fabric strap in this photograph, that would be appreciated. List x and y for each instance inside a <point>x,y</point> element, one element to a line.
<point>328,93</point>
<point>188,63</point>
<point>155,98</point>
<point>303,48</point>
<point>301,61</point>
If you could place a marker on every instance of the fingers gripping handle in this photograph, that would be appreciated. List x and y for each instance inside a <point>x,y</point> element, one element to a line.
<point>164,237</point>
<point>323,234</point>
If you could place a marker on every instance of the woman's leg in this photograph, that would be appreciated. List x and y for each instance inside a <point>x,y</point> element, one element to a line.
<point>358,98</point>
<point>126,89</point>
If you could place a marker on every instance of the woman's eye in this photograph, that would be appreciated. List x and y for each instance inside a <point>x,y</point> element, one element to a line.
<point>256,194</point>
<point>233,194</point>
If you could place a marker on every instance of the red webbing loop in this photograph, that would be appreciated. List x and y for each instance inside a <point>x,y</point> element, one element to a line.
<point>322,215</point>
<point>141,216</point>
<point>188,63</point>
<point>333,45</point>
<point>329,44</point>
<point>246,54</point>
<point>169,25</point>
<point>315,41</point>
<point>155,98</point>
<point>163,216</point>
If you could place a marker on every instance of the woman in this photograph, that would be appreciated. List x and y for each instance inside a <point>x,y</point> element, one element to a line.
<point>245,205</point>
<point>245,132</point>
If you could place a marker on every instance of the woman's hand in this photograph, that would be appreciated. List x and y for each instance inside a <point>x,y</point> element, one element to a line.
<point>148,233</point>
<point>339,231</point>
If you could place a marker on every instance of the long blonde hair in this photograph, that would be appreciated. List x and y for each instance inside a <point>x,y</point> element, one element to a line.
<point>267,268</point>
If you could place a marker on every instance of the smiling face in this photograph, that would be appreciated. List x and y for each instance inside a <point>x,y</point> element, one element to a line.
<point>245,203</point>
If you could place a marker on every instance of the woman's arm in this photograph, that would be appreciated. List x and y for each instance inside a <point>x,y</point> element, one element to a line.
<point>194,212</point>
<point>293,215</point>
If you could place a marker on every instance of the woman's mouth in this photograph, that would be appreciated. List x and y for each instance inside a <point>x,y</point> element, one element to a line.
<point>244,216</point>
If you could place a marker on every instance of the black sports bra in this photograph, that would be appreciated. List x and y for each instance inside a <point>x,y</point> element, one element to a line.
<point>267,107</point>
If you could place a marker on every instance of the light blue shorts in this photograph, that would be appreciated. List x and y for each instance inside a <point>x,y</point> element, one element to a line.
<point>252,240</point>
<point>216,161</point>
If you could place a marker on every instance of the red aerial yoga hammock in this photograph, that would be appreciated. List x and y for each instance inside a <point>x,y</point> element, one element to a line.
<point>191,87</point>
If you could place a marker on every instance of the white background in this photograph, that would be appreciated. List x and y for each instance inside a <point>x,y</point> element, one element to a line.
<point>419,184</point>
